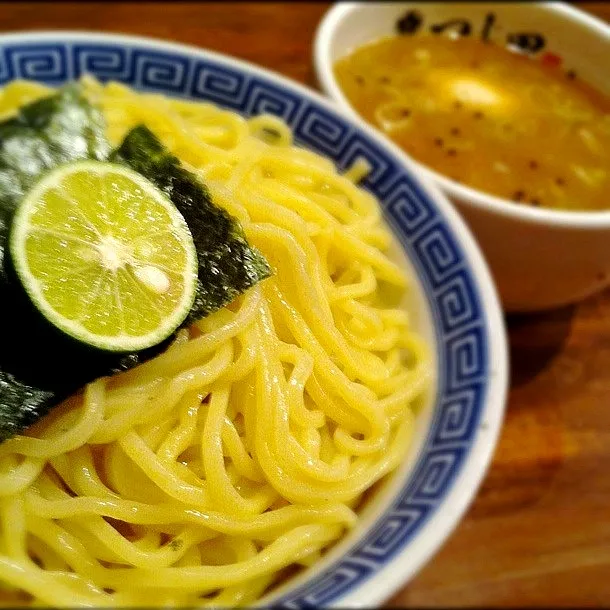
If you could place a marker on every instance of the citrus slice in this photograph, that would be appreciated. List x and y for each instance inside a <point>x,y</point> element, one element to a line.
<point>104,256</point>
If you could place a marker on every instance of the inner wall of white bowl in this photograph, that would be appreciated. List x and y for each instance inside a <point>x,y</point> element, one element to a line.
<point>568,33</point>
<point>416,303</point>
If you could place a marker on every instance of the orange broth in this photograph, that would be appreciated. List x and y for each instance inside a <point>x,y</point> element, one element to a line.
<point>486,116</point>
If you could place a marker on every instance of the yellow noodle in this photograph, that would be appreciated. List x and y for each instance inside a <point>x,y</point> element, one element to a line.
<point>198,477</point>
<point>13,526</point>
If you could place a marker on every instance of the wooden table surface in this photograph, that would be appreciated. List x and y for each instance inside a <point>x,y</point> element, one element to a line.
<point>538,533</point>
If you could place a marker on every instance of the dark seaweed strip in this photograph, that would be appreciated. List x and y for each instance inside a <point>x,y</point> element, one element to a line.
<point>228,265</point>
<point>44,134</point>
<point>54,130</point>
<point>39,367</point>
<point>34,362</point>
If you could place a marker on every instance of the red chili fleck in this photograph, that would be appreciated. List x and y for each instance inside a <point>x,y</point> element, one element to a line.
<point>551,60</point>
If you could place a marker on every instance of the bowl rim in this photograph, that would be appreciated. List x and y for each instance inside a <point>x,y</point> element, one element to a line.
<point>385,580</point>
<point>583,220</point>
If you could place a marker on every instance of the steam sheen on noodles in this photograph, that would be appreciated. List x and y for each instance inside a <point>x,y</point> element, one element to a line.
<point>208,474</point>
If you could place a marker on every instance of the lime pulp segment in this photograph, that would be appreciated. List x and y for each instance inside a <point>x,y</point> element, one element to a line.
<point>105,256</point>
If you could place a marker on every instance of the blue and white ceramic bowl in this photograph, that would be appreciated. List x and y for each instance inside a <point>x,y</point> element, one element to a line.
<point>420,505</point>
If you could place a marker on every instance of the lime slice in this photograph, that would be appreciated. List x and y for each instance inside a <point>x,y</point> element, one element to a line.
<point>105,256</point>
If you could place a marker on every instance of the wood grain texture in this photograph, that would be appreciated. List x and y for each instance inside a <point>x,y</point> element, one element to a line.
<point>538,533</point>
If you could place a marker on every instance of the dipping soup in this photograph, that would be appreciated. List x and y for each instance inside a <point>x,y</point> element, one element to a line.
<point>487,116</point>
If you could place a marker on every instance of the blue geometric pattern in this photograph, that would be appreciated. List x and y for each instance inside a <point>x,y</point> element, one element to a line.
<point>437,248</point>
<point>439,261</point>
<point>45,62</point>
<point>223,86</point>
<point>456,421</point>
<point>464,363</point>
<point>407,206</point>
<point>458,303</point>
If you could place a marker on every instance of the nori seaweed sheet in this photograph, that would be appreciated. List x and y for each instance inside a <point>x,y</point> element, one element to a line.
<point>54,130</point>
<point>228,265</point>
<point>39,366</point>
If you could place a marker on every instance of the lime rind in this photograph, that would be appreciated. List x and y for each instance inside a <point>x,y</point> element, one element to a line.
<point>116,341</point>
